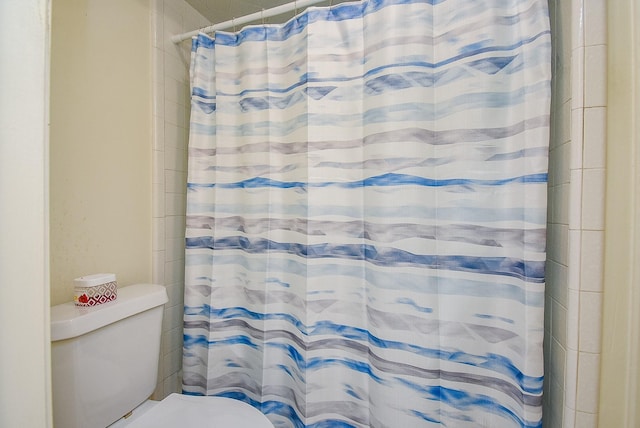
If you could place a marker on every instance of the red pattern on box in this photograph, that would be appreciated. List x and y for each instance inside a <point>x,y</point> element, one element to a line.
<point>92,296</point>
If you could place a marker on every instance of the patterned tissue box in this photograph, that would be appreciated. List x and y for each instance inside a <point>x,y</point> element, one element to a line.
<point>92,290</point>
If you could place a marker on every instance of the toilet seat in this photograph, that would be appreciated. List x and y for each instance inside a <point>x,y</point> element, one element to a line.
<point>187,411</point>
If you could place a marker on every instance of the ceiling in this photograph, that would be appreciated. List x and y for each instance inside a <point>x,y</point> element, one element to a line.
<point>224,10</point>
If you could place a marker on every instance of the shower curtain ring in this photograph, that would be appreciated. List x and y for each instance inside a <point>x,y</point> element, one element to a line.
<point>295,5</point>
<point>233,22</point>
<point>262,15</point>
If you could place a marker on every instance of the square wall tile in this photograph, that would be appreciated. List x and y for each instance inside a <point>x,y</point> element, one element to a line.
<point>157,271</point>
<point>172,49</point>
<point>559,163</point>
<point>592,261</point>
<point>595,76</point>
<point>174,249</point>
<point>593,190</point>
<point>191,19</point>
<point>577,123</point>
<point>158,102</point>
<point>174,7</point>
<point>158,133</point>
<point>175,91</point>
<point>577,78</point>
<point>569,418</point>
<point>157,58</point>
<point>172,340</point>
<point>575,200</point>
<point>174,114</point>
<point>574,270</point>
<point>557,244</point>
<point>590,322</point>
<point>173,383</point>
<point>546,409</point>
<point>158,166</point>
<point>174,272</point>
<point>176,294</point>
<point>573,321</point>
<point>175,136</point>
<point>175,203</point>
<point>175,226</point>
<point>561,205</point>
<point>174,316</point>
<point>177,63</point>
<point>595,137</point>
<point>175,181</point>
<point>557,286</point>
<point>557,392</point>
<point>558,359</point>
<point>571,378</point>
<point>173,363</point>
<point>588,382</point>
<point>595,20</point>
<point>586,420</point>
<point>564,87</point>
<point>172,19</point>
<point>564,125</point>
<point>559,322</point>
<point>158,232</point>
<point>175,159</point>
<point>158,200</point>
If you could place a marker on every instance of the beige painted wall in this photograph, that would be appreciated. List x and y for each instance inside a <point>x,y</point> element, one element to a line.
<point>25,391</point>
<point>100,142</point>
<point>619,399</point>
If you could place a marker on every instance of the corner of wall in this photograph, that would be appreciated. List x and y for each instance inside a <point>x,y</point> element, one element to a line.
<point>171,102</point>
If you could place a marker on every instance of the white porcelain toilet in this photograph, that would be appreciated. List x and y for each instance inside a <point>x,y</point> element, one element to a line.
<point>104,366</point>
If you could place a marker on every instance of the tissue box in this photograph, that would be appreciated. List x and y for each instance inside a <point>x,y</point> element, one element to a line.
<point>92,290</point>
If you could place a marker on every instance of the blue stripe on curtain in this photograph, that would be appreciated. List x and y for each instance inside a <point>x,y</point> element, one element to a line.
<point>366,213</point>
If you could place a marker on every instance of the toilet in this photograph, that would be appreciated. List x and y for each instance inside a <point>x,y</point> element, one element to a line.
<point>104,366</point>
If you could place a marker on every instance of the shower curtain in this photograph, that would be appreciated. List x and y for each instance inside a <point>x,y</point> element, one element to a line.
<point>366,214</point>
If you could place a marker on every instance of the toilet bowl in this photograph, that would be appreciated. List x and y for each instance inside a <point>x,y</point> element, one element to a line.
<point>104,363</point>
<point>187,411</point>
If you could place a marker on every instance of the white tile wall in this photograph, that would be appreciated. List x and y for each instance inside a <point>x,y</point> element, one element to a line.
<point>595,70</point>
<point>170,124</point>
<point>576,222</point>
<point>586,420</point>
<point>575,326</point>
<point>592,254</point>
<point>594,134</point>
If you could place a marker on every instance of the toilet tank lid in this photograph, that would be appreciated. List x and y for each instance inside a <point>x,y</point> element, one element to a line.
<point>69,320</point>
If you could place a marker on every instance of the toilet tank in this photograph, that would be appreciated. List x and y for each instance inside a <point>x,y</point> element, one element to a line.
<point>104,359</point>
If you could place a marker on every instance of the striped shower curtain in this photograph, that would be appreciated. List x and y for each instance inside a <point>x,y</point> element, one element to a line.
<point>366,214</point>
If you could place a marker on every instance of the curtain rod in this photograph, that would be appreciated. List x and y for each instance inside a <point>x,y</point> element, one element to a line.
<point>294,5</point>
